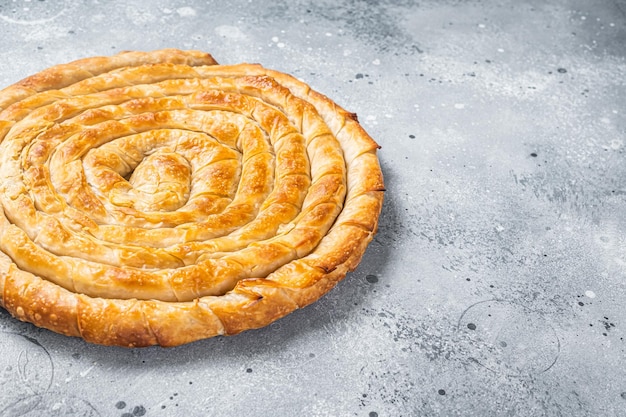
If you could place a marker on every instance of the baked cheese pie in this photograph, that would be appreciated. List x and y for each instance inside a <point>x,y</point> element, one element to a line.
<point>158,198</point>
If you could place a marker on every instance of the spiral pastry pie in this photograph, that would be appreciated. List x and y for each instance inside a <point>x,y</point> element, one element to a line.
<point>157,198</point>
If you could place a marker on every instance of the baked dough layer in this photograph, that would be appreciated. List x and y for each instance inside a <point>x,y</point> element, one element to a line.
<point>158,198</point>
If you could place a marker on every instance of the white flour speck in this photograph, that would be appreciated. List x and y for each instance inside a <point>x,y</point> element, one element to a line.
<point>186,11</point>
<point>230,32</point>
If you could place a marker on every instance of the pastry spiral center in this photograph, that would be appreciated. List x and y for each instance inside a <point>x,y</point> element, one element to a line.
<point>161,182</point>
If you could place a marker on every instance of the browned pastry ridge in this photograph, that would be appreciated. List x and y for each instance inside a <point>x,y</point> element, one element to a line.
<point>158,198</point>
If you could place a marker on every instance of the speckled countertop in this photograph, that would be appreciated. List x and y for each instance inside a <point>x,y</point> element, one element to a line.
<point>497,282</point>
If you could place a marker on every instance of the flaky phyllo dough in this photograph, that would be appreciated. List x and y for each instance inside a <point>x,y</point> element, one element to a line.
<point>160,198</point>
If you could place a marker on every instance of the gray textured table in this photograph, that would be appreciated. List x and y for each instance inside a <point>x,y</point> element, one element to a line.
<point>497,282</point>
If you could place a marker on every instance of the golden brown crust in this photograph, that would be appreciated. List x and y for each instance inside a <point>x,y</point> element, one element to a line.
<point>159,198</point>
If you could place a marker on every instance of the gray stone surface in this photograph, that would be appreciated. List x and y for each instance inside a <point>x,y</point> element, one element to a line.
<point>496,284</point>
